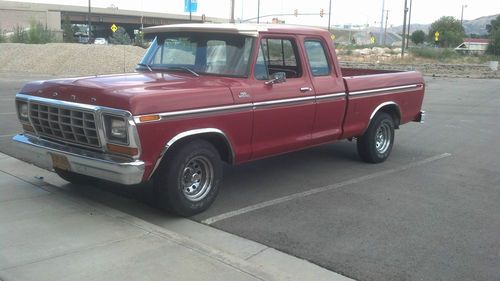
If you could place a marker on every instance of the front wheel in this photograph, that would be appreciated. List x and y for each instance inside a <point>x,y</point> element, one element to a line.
<point>375,145</point>
<point>188,182</point>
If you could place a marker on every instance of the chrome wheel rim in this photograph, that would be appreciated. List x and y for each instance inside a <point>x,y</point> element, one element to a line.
<point>197,178</point>
<point>383,138</point>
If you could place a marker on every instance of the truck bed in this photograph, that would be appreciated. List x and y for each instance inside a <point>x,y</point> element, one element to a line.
<point>346,72</point>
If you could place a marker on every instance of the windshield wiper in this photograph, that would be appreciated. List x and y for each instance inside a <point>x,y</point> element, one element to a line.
<point>146,65</point>
<point>182,68</point>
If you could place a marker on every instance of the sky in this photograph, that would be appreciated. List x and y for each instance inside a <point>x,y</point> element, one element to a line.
<point>343,12</point>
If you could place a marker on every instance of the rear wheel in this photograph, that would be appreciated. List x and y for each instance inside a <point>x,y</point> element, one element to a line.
<point>188,182</point>
<point>74,177</point>
<point>375,145</point>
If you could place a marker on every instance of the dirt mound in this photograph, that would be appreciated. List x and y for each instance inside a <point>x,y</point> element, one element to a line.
<point>72,59</point>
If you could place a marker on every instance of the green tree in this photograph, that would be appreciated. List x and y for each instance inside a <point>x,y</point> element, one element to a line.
<point>120,37</point>
<point>68,33</point>
<point>451,32</point>
<point>418,37</point>
<point>494,34</point>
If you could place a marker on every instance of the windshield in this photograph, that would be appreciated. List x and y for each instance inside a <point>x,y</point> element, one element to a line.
<point>204,53</point>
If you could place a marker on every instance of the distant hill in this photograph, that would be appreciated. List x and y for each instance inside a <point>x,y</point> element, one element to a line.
<point>477,26</point>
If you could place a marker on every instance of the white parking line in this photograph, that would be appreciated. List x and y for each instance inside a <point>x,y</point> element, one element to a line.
<point>6,136</point>
<point>320,189</point>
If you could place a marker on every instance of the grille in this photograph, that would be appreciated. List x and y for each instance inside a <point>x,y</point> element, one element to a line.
<point>69,125</point>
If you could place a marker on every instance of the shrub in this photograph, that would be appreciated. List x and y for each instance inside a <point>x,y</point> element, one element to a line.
<point>435,53</point>
<point>36,34</point>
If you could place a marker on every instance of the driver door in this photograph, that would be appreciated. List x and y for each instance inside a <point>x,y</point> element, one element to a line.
<point>283,111</point>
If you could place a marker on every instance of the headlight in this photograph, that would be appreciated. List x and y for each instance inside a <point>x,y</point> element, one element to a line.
<point>22,111</point>
<point>116,129</point>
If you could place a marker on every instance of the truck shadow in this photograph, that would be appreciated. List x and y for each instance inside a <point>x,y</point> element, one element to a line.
<point>240,181</point>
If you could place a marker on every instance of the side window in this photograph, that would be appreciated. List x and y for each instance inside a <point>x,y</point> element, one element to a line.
<point>277,55</point>
<point>318,60</point>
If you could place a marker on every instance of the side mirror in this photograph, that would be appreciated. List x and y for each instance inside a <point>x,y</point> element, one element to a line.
<point>278,77</point>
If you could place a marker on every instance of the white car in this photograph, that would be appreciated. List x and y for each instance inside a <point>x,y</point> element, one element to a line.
<point>101,41</point>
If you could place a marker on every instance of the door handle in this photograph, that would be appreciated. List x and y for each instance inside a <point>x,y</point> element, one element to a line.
<point>305,89</point>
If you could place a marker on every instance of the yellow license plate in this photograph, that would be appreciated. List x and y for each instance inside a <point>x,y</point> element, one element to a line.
<point>60,162</point>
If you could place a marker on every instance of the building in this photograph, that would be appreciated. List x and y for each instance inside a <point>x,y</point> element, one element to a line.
<point>473,46</point>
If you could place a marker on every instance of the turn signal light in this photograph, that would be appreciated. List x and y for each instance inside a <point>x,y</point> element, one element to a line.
<point>132,151</point>
<point>149,118</point>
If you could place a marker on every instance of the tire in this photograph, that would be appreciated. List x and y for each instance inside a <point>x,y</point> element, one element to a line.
<point>75,178</point>
<point>187,183</point>
<point>375,145</point>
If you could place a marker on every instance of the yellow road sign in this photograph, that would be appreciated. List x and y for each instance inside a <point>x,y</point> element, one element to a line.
<point>372,39</point>
<point>436,36</point>
<point>114,28</point>
<point>333,36</point>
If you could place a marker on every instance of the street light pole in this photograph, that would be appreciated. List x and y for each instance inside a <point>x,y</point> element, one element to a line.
<point>190,11</point>
<point>329,14</point>
<point>89,22</point>
<point>258,11</point>
<point>232,11</point>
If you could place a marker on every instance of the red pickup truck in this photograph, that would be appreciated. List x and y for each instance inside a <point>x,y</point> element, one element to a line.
<point>204,94</point>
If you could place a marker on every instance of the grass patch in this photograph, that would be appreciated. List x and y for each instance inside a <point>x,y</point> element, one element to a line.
<point>439,54</point>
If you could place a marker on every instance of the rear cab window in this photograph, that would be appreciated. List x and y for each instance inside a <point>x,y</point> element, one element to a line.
<point>319,64</point>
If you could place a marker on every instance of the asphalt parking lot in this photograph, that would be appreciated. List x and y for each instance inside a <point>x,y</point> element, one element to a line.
<point>430,212</point>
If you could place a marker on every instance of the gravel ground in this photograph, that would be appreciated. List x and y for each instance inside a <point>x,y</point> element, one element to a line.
<point>80,59</point>
<point>432,69</point>
<point>68,59</point>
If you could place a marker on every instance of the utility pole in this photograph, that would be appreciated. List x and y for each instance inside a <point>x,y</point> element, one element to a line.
<point>329,14</point>
<point>382,21</point>
<point>90,22</point>
<point>232,11</point>
<point>258,11</point>
<point>409,25</point>
<point>385,30</point>
<point>404,29</point>
<point>462,16</point>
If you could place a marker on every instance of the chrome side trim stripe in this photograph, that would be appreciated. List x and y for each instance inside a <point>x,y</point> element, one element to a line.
<point>379,90</point>
<point>205,110</point>
<point>327,96</point>
<point>255,105</point>
<point>165,115</point>
<point>283,101</point>
<point>244,106</point>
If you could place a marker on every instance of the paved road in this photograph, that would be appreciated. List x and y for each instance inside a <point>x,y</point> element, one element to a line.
<point>430,212</point>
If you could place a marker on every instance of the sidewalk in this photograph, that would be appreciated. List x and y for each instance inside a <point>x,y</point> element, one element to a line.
<point>49,232</point>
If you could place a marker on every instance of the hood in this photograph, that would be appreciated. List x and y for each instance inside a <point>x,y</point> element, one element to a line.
<point>139,93</point>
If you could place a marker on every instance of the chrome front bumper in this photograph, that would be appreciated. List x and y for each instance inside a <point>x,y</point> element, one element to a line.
<point>420,117</point>
<point>99,165</point>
